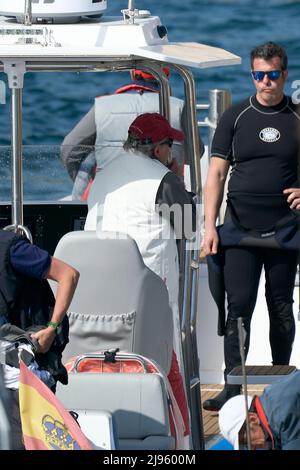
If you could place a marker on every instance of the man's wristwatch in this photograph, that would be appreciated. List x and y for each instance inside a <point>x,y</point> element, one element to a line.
<point>53,325</point>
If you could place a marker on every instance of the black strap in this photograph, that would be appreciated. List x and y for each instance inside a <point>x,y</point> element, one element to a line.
<point>110,355</point>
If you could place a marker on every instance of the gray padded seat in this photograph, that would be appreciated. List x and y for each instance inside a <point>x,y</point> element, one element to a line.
<point>118,302</point>
<point>137,402</point>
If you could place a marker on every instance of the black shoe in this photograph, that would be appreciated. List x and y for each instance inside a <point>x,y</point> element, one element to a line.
<point>215,404</point>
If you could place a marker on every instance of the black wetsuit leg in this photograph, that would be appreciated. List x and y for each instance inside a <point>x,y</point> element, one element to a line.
<point>242,273</point>
<point>280,268</point>
<point>242,269</point>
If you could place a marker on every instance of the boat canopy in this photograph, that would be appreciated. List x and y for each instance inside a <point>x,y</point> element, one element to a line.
<point>105,40</point>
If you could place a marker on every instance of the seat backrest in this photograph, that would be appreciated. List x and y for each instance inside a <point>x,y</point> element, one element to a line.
<point>137,402</point>
<point>119,302</point>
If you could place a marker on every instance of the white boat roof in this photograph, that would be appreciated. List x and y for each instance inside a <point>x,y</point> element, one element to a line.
<point>104,40</point>
<point>190,54</point>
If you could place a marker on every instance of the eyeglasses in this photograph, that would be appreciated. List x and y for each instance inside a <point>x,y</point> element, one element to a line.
<point>168,142</point>
<point>272,75</point>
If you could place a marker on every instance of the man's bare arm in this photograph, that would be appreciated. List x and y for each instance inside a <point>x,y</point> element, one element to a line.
<point>213,196</point>
<point>67,278</point>
<point>79,143</point>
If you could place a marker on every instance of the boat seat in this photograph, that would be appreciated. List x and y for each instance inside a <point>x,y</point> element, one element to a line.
<point>119,302</point>
<point>137,403</point>
<point>260,374</point>
<point>99,428</point>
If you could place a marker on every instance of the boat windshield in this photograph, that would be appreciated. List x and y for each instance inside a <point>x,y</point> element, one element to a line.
<point>45,178</point>
<point>44,175</point>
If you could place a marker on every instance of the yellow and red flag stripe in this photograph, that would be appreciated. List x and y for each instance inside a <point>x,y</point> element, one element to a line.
<point>46,425</point>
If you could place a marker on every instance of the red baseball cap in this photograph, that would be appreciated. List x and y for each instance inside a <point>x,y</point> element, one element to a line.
<point>155,127</point>
<point>148,76</point>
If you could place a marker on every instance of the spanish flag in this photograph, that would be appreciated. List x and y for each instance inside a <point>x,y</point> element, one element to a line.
<point>46,425</point>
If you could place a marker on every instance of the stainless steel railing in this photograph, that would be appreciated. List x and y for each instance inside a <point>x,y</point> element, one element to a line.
<point>218,102</point>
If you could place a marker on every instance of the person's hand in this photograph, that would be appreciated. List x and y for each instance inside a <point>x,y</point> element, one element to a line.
<point>210,241</point>
<point>293,197</point>
<point>45,338</point>
<point>175,167</point>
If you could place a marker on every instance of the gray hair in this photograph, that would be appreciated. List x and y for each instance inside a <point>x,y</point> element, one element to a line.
<point>136,146</point>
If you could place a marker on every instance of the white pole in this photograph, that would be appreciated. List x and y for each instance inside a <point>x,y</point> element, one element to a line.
<point>242,353</point>
<point>28,13</point>
<point>131,5</point>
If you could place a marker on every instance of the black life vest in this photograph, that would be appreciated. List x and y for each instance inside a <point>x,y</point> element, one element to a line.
<point>27,303</point>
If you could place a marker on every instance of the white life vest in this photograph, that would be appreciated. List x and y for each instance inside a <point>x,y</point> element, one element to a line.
<point>115,113</point>
<point>122,199</point>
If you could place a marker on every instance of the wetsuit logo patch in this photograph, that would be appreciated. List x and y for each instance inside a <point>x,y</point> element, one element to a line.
<point>269,134</point>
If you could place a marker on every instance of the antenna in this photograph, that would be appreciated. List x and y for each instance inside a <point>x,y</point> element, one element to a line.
<point>28,13</point>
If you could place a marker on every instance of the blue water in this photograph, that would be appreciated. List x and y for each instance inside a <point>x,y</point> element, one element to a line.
<point>53,103</point>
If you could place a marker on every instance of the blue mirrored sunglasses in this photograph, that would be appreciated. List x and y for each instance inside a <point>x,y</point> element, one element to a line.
<point>272,75</point>
<point>168,142</point>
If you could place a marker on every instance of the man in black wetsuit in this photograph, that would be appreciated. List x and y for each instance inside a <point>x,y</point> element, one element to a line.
<point>258,138</point>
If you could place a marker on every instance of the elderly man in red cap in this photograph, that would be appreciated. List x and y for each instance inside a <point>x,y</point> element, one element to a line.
<point>105,128</point>
<point>138,194</point>
<point>134,194</point>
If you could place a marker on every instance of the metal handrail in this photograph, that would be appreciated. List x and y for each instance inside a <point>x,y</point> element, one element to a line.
<point>219,101</point>
<point>17,174</point>
<point>19,228</point>
<point>189,343</point>
<point>16,85</point>
<point>28,13</point>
